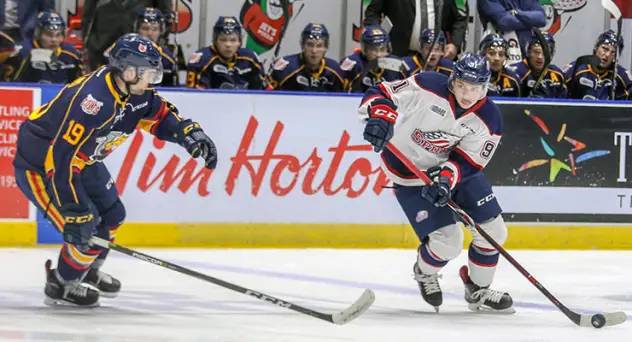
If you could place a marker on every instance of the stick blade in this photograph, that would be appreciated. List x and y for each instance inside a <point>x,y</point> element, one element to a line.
<point>612,318</point>
<point>356,309</point>
<point>611,7</point>
<point>390,63</point>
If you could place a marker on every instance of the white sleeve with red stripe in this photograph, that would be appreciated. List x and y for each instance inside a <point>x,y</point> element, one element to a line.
<point>400,92</point>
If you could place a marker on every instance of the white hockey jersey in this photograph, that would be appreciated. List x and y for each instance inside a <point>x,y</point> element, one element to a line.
<point>432,129</point>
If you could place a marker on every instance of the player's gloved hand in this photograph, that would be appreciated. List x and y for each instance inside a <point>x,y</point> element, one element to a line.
<point>79,226</point>
<point>438,192</point>
<point>380,126</point>
<point>197,143</point>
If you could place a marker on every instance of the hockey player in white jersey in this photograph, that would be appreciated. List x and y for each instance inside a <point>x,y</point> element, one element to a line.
<point>449,128</point>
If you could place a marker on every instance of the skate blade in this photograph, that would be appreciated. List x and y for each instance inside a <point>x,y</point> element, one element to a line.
<point>58,303</point>
<point>476,307</point>
<point>436,309</point>
<point>108,294</point>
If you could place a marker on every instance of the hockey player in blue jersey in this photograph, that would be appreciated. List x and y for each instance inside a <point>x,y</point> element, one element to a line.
<point>448,128</point>
<point>224,65</point>
<point>60,149</point>
<point>415,64</point>
<point>504,81</point>
<point>590,83</point>
<point>150,24</point>
<point>309,70</point>
<point>7,47</point>
<point>552,83</point>
<point>358,76</point>
<point>45,59</point>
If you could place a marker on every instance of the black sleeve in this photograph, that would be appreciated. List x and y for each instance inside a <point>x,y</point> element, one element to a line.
<point>455,23</point>
<point>373,13</point>
<point>89,7</point>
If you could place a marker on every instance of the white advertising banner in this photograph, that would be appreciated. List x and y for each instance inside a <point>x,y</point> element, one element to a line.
<point>291,159</point>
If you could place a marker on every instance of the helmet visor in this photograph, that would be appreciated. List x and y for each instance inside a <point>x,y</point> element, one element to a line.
<point>152,75</point>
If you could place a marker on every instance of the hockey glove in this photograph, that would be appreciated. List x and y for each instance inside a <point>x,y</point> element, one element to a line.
<point>197,143</point>
<point>438,192</point>
<point>380,126</point>
<point>79,226</point>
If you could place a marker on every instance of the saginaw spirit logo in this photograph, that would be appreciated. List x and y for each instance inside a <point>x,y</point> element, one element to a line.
<point>556,163</point>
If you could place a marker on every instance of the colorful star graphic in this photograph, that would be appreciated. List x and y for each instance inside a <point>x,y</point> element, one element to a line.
<point>557,165</point>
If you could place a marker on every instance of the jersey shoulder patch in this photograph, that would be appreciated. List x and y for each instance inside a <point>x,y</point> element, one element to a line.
<point>280,64</point>
<point>347,64</point>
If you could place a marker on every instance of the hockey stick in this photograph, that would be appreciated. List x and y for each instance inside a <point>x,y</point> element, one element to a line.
<point>437,28</point>
<point>286,24</point>
<point>583,320</point>
<point>611,7</point>
<point>546,49</point>
<point>356,309</point>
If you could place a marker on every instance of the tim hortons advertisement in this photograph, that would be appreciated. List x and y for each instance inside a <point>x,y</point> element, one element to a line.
<point>302,159</point>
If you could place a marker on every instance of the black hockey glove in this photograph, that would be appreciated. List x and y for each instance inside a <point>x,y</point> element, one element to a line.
<point>438,192</point>
<point>197,143</point>
<point>380,126</point>
<point>79,226</point>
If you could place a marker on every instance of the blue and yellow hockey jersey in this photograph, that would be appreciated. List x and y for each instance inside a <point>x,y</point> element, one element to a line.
<point>290,73</point>
<point>208,70</point>
<point>82,125</point>
<point>588,84</point>
<point>64,65</point>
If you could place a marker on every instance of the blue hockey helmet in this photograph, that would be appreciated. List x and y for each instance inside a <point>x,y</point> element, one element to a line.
<point>548,37</point>
<point>49,21</point>
<point>427,37</point>
<point>150,15</point>
<point>315,31</point>
<point>226,25</point>
<point>471,68</point>
<point>376,36</point>
<point>133,51</point>
<point>610,38</point>
<point>492,40</point>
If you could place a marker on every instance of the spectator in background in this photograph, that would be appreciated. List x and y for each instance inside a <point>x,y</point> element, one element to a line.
<point>358,74</point>
<point>513,19</point>
<point>224,65</point>
<point>427,52</point>
<point>45,59</point>
<point>588,83</point>
<point>309,70</point>
<point>552,83</point>
<point>504,81</point>
<point>18,17</point>
<point>103,22</point>
<point>410,17</point>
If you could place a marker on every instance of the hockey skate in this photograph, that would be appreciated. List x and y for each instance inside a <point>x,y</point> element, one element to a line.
<point>484,298</point>
<point>429,287</point>
<point>58,294</point>
<point>107,285</point>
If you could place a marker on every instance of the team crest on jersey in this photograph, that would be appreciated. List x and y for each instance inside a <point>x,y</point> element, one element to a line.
<point>90,105</point>
<point>107,144</point>
<point>433,142</point>
<point>142,48</point>
<point>421,215</point>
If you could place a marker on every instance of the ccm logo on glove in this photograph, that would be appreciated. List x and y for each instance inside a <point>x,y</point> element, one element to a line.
<point>382,111</point>
<point>79,219</point>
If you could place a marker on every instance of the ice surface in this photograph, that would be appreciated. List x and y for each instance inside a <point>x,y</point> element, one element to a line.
<point>157,304</point>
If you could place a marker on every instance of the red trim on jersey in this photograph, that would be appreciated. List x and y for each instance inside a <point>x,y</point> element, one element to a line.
<point>82,156</point>
<point>484,249</point>
<point>386,93</point>
<point>458,171</point>
<point>484,122</point>
<point>395,172</point>
<point>464,154</point>
<point>483,265</point>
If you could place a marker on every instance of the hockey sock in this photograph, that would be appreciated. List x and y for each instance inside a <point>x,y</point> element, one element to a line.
<point>482,263</point>
<point>427,261</point>
<point>73,263</point>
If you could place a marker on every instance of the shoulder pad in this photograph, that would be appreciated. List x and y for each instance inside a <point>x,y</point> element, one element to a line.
<point>195,57</point>
<point>568,67</point>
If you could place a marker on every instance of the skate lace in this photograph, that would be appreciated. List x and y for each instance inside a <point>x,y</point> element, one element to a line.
<point>430,282</point>
<point>104,277</point>
<point>78,291</point>
<point>488,294</point>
